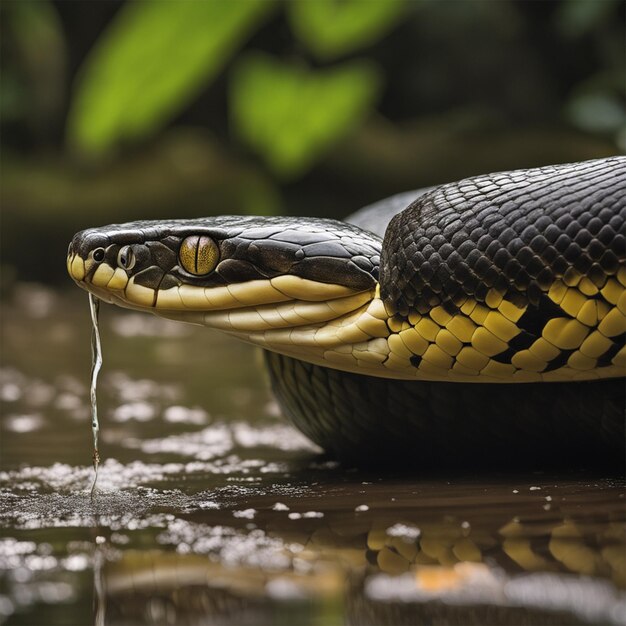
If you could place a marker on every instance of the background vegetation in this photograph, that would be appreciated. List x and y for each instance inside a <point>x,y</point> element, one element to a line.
<point>118,110</point>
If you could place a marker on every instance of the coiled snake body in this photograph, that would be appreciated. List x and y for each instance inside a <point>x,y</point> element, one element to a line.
<point>487,325</point>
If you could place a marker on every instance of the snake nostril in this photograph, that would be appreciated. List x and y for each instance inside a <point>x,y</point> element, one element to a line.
<point>98,255</point>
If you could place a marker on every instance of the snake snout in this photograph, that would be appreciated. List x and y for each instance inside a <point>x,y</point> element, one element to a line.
<point>89,241</point>
<point>86,251</point>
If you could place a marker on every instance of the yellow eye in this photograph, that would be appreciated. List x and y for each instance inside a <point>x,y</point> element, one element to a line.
<point>198,254</point>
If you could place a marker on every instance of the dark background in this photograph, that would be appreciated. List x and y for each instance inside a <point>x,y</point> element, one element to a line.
<point>435,91</point>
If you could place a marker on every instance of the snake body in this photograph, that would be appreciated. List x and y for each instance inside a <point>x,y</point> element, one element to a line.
<point>488,322</point>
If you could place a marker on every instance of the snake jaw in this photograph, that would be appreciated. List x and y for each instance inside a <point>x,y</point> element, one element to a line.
<point>230,273</point>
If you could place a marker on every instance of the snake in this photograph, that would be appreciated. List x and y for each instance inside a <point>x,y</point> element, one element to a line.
<point>479,321</point>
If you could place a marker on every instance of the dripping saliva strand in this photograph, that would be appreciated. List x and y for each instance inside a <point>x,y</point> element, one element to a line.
<point>96,364</point>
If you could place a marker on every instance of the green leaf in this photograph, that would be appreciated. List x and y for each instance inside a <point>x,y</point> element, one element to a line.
<point>331,28</point>
<point>150,62</point>
<point>291,115</point>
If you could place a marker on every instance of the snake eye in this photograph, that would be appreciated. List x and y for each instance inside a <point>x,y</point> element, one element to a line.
<point>198,254</point>
<point>98,255</point>
<point>126,258</point>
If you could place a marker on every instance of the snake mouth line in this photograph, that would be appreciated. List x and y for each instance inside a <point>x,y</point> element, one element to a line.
<point>248,307</point>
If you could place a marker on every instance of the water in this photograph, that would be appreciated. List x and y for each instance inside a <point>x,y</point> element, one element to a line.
<point>211,510</point>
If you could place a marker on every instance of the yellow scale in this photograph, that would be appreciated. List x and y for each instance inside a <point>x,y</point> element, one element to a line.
<point>440,338</point>
<point>334,326</point>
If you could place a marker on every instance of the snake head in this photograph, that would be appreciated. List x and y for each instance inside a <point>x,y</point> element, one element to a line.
<point>241,273</point>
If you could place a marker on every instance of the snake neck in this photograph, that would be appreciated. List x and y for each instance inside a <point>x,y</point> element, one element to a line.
<point>360,333</point>
<point>462,346</point>
<point>353,336</point>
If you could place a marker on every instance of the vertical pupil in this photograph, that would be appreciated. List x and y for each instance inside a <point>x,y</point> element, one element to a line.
<point>198,254</point>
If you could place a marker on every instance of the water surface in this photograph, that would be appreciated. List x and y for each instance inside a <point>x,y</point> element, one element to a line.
<point>210,509</point>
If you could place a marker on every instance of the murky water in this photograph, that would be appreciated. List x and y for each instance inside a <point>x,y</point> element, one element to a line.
<point>211,510</point>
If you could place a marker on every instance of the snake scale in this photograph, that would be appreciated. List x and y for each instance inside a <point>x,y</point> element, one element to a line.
<point>487,325</point>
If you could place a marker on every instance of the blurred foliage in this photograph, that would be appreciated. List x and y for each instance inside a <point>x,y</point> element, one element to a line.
<point>599,112</point>
<point>577,17</point>
<point>156,55</point>
<point>150,62</point>
<point>308,111</point>
<point>34,74</point>
<point>120,109</point>
<point>330,28</point>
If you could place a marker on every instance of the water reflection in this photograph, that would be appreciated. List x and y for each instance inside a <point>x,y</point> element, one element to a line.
<point>212,510</point>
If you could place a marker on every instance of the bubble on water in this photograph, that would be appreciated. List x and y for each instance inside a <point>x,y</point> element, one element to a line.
<point>70,384</point>
<point>12,384</point>
<point>55,592</point>
<point>57,496</point>
<point>23,423</point>
<point>471,584</point>
<point>324,465</point>
<point>279,436</point>
<point>76,562</point>
<point>209,505</point>
<point>39,394</point>
<point>407,532</point>
<point>140,325</point>
<point>245,514</point>
<point>10,547</point>
<point>275,468</point>
<point>203,445</point>
<point>10,392</point>
<point>138,411</point>
<point>34,300</point>
<point>183,415</point>
<point>272,409</point>
<point>231,547</point>
<point>594,600</point>
<point>127,389</point>
<point>6,606</point>
<point>284,589</point>
<point>220,438</point>
<point>68,401</point>
<point>36,563</point>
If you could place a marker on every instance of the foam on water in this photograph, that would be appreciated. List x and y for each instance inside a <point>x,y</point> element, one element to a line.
<point>470,584</point>
<point>239,508</point>
<point>222,437</point>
